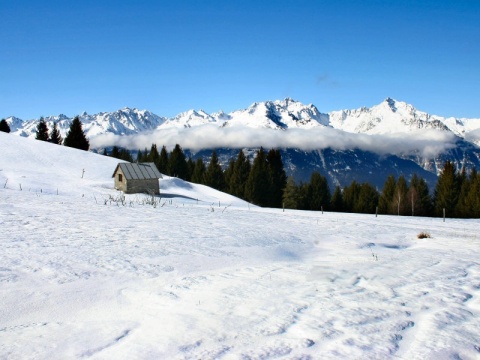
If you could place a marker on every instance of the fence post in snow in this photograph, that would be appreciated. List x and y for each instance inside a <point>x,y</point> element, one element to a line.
<point>443,214</point>
<point>376,211</point>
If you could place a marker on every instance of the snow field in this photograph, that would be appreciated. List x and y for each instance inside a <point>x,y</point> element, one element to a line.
<point>85,277</point>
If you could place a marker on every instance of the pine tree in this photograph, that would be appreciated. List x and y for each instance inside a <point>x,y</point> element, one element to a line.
<point>290,194</point>
<point>257,188</point>
<point>124,154</point>
<point>55,137</point>
<point>139,157</point>
<point>4,127</point>
<point>469,197</point>
<point>473,202</point>
<point>418,197</point>
<point>198,175</point>
<point>162,165</point>
<point>75,137</point>
<point>115,153</point>
<point>278,177</point>
<point>318,192</point>
<point>228,173</point>
<point>337,200</point>
<point>446,190</point>
<point>42,130</point>
<point>214,176</point>
<point>367,200</point>
<point>177,165</point>
<point>386,197</point>
<point>350,196</point>
<point>153,155</point>
<point>239,177</point>
<point>190,168</point>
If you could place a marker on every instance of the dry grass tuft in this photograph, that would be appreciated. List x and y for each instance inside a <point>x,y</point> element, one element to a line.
<point>424,235</point>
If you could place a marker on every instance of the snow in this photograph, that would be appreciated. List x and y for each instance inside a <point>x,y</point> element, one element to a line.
<point>84,276</point>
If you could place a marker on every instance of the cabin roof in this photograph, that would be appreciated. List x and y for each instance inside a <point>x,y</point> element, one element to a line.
<point>139,171</point>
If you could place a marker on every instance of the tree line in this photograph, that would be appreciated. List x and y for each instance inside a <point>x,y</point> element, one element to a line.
<point>264,182</point>
<point>261,182</point>
<point>456,192</point>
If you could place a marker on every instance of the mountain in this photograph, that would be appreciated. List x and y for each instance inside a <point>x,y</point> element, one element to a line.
<point>365,144</point>
<point>125,121</point>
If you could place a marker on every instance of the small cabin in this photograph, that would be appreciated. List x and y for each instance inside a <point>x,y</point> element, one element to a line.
<point>134,178</point>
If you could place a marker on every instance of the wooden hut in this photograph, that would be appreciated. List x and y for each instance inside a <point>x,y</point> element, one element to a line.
<point>134,178</point>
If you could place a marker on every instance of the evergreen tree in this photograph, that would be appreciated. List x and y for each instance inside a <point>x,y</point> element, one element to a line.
<point>105,152</point>
<point>257,188</point>
<point>177,165</point>
<point>75,137</point>
<point>290,194</point>
<point>4,127</point>
<point>277,176</point>
<point>446,191</point>
<point>473,202</point>
<point>350,196</point>
<point>55,137</point>
<point>115,153</point>
<point>367,200</point>
<point>303,201</point>
<point>162,165</point>
<point>190,168</point>
<point>386,197</point>
<point>468,200</point>
<point>153,155</point>
<point>318,192</point>
<point>228,173</point>
<point>139,157</point>
<point>42,130</point>
<point>239,177</point>
<point>337,200</point>
<point>124,154</point>
<point>419,198</point>
<point>198,175</point>
<point>214,175</point>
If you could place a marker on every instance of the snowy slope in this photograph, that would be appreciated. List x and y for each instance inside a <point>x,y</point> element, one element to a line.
<point>83,276</point>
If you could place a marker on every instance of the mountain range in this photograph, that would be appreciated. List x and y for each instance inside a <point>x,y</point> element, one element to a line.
<point>365,144</point>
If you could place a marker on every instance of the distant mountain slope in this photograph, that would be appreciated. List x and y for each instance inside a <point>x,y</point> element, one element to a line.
<point>388,117</point>
<point>364,144</point>
<point>121,122</point>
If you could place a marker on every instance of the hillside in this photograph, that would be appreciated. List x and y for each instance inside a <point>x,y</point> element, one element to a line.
<point>83,275</point>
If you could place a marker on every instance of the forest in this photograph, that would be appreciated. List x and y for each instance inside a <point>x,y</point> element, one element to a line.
<point>263,182</point>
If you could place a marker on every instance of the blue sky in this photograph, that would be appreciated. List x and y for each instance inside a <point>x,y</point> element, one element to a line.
<point>170,56</point>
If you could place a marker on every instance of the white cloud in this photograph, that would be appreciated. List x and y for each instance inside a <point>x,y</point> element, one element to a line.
<point>426,143</point>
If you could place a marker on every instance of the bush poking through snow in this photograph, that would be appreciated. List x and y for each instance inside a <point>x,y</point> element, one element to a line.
<point>424,235</point>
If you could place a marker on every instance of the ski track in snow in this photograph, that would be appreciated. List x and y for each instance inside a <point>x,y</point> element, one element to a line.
<point>82,276</point>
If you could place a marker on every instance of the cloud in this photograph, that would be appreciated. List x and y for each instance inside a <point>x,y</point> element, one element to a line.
<point>426,143</point>
<point>326,79</point>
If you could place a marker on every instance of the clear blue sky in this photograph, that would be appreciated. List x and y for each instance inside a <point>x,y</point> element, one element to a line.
<point>171,56</point>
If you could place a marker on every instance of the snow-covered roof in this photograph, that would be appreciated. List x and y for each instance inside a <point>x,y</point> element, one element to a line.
<point>139,171</point>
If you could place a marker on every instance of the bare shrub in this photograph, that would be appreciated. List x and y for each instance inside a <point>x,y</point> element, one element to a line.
<point>424,235</point>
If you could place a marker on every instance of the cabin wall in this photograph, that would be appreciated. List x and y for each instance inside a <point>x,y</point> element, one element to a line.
<point>143,186</point>
<point>120,185</point>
